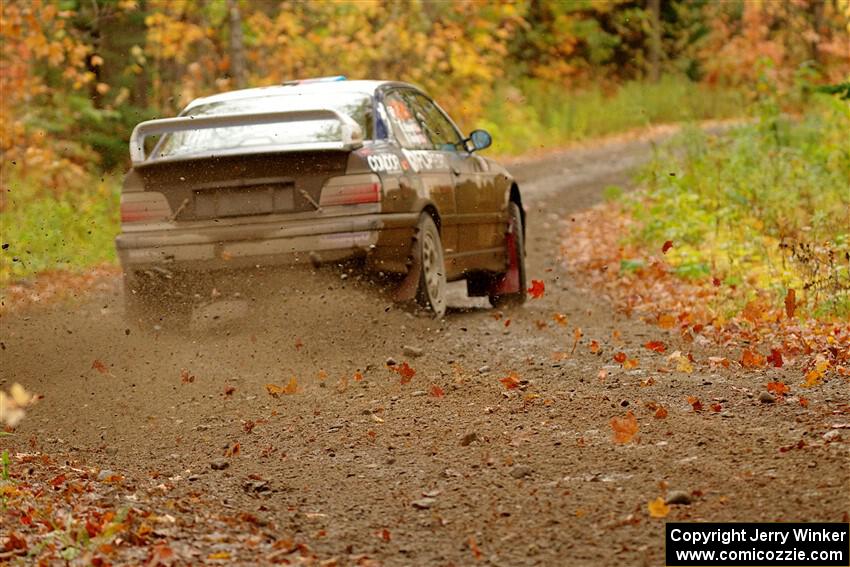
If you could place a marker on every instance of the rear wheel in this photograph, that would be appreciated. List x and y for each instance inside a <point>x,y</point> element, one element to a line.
<point>510,288</point>
<point>431,291</point>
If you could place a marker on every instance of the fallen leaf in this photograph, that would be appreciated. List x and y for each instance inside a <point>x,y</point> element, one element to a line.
<point>658,508</point>
<point>537,289</point>
<point>99,366</point>
<point>775,358</point>
<point>541,324</point>
<point>695,403</point>
<point>648,382</point>
<point>358,377</point>
<point>405,371</point>
<point>228,390</point>
<point>322,375</point>
<point>274,390</point>
<point>291,387</point>
<point>219,555</point>
<point>804,402</point>
<point>620,357</point>
<point>602,375</point>
<point>656,346</point>
<point>790,303</point>
<point>666,321</point>
<point>716,408</point>
<point>185,377</point>
<point>473,547</point>
<point>298,344</point>
<point>384,534</point>
<point>560,318</point>
<point>594,347</point>
<point>631,363</point>
<point>437,392</point>
<point>510,381</point>
<point>666,246</point>
<point>507,322</point>
<point>683,363</point>
<point>778,388</point>
<point>752,359</point>
<point>660,412</point>
<point>814,375</point>
<point>624,427</point>
<point>577,334</point>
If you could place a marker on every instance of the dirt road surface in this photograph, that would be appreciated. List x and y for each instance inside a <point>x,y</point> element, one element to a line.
<point>376,470</point>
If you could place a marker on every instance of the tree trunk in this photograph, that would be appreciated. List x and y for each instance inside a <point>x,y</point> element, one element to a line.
<point>237,49</point>
<point>655,40</point>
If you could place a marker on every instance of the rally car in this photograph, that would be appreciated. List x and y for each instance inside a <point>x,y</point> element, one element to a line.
<point>319,170</point>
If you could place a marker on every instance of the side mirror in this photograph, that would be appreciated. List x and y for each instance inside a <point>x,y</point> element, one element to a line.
<point>480,139</point>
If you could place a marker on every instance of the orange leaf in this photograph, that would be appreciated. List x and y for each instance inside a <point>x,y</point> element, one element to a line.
<point>695,403</point>
<point>298,344</point>
<point>541,324</point>
<point>537,289</point>
<point>292,387</point>
<point>511,381</point>
<point>666,321</point>
<point>631,363</point>
<point>594,347</point>
<point>274,390</point>
<point>560,318</point>
<point>620,357</point>
<point>384,534</point>
<point>185,377</point>
<point>624,427</point>
<point>752,359</point>
<point>790,303</point>
<point>804,402</point>
<point>778,388</point>
<point>660,412</point>
<point>405,371</point>
<point>358,377</point>
<point>473,547</point>
<point>716,408</point>
<point>656,346</point>
<point>507,322</point>
<point>667,246</point>
<point>99,366</point>
<point>437,392</point>
<point>775,358</point>
<point>658,508</point>
<point>322,375</point>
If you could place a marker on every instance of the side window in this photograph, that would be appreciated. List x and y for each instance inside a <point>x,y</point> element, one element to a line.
<point>404,124</point>
<point>439,130</point>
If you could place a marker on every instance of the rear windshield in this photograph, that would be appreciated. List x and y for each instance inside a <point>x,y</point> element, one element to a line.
<point>303,133</point>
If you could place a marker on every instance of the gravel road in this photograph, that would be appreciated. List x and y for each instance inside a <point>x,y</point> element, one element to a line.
<point>449,468</point>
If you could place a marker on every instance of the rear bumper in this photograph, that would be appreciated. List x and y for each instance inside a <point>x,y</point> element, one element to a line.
<point>383,238</point>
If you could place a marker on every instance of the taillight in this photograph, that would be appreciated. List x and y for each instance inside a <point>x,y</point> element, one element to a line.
<point>144,206</point>
<point>351,190</point>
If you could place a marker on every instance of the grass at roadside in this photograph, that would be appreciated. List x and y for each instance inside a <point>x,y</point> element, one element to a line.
<point>534,115</point>
<point>766,208</point>
<point>42,231</point>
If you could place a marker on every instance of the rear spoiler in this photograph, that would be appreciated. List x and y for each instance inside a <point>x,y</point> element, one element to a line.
<point>352,135</point>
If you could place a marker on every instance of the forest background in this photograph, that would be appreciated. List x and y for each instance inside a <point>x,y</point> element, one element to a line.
<point>77,75</point>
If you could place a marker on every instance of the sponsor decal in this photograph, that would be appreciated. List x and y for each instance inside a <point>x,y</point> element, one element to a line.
<point>424,159</point>
<point>384,162</point>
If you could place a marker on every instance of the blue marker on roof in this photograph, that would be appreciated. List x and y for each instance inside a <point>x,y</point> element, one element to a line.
<point>330,79</point>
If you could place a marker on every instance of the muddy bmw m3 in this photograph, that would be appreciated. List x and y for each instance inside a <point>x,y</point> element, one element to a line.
<point>325,170</point>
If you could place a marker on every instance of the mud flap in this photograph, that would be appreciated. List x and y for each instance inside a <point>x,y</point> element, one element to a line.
<point>406,291</point>
<point>509,282</point>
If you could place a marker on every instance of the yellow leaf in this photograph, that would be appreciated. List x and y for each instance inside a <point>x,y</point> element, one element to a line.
<point>292,387</point>
<point>219,555</point>
<point>657,508</point>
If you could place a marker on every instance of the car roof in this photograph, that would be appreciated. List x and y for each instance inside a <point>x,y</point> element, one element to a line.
<point>301,88</point>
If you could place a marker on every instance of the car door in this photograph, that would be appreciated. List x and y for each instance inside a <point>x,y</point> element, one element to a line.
<point>429,167</point>
<point>479,202</point>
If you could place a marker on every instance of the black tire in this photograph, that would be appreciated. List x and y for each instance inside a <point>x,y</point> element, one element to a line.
<point>431,290</point>
<point>517,255</point>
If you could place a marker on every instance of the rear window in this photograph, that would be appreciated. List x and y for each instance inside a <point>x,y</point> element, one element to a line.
<point>303,133</point>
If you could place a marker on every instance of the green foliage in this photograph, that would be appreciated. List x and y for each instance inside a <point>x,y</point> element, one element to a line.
<point>537,115</point>
<point>766,206</point>
<point>45,231</point>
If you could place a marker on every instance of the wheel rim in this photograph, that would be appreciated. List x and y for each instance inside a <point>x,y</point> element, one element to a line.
<point>431,260</point>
